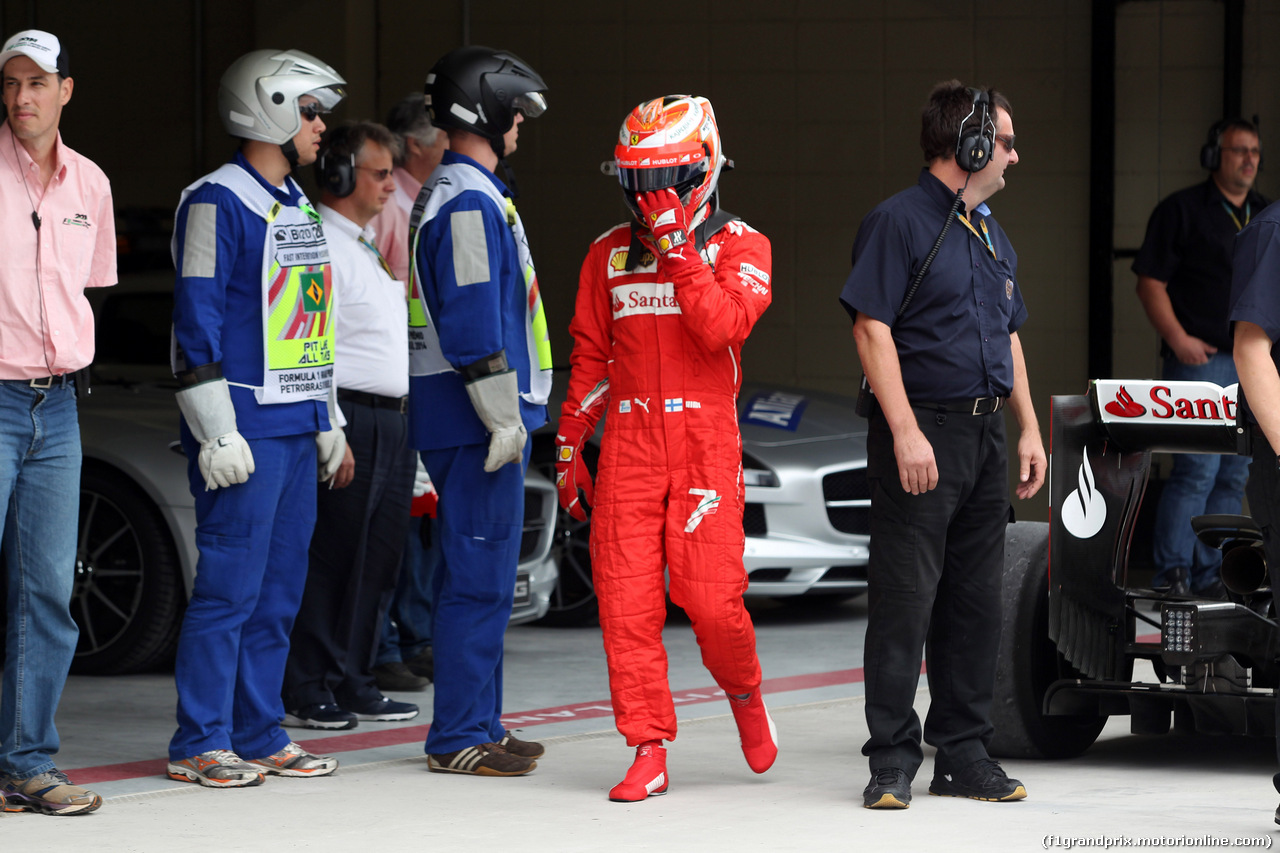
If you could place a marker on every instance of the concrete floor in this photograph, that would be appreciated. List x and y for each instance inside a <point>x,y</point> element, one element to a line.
<point>1124,788</point>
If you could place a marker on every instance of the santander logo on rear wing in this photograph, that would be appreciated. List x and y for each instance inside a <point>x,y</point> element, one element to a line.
<point>1170,417</point>
<point>1157,402</point>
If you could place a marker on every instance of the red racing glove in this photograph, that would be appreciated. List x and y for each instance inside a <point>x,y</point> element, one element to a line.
<point>573,480</point>
<point>665,216</point>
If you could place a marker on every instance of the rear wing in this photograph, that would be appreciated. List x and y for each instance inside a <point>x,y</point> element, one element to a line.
<point>1100,447</point>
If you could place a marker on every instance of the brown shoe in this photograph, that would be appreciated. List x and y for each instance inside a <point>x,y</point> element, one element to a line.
<point>522,748</point>
<point>423,663</point>
<point>396,676</point>
<point>487,759</point>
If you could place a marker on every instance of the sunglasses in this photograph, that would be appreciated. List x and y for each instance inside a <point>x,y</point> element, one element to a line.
<point>311,111</point>
<point>378,174</point>
<point>1007,140</point>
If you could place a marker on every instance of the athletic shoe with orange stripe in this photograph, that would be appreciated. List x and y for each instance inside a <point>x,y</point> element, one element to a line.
<point>217,768</point>
<point>293,760</point>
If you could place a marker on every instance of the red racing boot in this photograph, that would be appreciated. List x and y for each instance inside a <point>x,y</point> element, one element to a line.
<point>647,776</point>
<point>755,729</point>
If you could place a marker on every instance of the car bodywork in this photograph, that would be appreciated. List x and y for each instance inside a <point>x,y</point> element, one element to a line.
<point>1077,620</point>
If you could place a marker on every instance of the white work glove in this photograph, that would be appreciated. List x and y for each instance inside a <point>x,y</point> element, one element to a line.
<point>496,399</point>
<point>225,458</point>
<point>331,445</point>
<point>422,480</point>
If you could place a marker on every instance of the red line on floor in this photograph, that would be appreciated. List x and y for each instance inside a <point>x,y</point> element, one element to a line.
<point>418,734</point>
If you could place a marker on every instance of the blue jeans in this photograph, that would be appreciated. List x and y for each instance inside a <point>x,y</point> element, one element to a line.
<point>407,629</point>
<point>39,509</point>
<point>1199,484</point>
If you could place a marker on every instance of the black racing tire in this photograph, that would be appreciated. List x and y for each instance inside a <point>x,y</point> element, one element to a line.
<point>573,601</point>
<point>1028,660</point>
<point>128,597</point>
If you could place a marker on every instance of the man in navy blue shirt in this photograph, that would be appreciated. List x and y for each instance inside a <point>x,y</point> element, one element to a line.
<point>1254,313</point>
<point>942,363</point>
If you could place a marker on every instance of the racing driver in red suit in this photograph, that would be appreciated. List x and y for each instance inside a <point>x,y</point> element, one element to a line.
<point>664,304</point>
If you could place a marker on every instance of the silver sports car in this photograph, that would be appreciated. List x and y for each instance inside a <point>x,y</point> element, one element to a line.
<point>807,500</point>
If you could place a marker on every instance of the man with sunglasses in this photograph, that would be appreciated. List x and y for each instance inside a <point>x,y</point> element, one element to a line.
<point>1184,283</point>
<point>253,355</point>
<point>480,373</point>
<point>942,362</point>
<point>362,522</point>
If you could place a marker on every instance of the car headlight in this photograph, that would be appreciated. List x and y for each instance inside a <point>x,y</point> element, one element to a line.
<point>756,473</point>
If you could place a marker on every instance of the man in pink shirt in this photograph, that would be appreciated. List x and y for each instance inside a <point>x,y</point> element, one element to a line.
<point>422,146</point>
<point>59,227</point>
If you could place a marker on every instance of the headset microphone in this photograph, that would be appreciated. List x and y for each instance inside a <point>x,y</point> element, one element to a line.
<point>35,220</point>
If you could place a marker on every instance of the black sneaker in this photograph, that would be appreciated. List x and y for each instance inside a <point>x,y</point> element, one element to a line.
<point>984,779</point>
<point>889,788</point>
<point>384,710</point>
<point>1275,780</point>
<point>327,716</point>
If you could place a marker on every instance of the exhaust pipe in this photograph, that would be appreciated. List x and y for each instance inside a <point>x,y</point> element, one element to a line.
<point>1244,568</point>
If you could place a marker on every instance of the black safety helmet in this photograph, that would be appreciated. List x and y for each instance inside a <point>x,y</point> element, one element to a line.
<point>480,89</point>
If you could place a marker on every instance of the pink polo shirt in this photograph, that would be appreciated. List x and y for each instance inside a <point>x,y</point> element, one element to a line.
<point>46,325</point>
<point>391,226</point>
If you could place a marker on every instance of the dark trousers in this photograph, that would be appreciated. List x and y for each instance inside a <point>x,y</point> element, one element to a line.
<point>934,583</point>
<point>353,563</point>
<point>1263,491</point>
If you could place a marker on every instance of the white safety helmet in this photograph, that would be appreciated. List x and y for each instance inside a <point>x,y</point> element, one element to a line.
<point>258,96</point>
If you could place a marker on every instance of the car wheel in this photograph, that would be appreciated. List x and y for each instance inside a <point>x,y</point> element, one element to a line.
<point>1028,660</point>
<point>128,597</point>
<point>573,601</point>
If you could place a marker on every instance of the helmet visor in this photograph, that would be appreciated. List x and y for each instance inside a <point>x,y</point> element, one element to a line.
<point>328,96</point>
<point>532,104</point>
<point>650,178</point>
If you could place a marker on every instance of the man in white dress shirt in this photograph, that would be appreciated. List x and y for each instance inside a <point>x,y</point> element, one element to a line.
<point>360,525</point>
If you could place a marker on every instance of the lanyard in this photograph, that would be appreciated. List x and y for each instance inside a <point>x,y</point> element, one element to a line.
<point>985,237</point>
<point>381,260</point>
<point>1247,214</point>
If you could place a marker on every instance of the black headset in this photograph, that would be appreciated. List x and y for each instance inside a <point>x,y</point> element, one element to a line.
<point>1211,151</point>
<point>337,174</point>
<point>976,139</point>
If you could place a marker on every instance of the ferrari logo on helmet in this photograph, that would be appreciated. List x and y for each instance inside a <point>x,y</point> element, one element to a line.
<point>635,139</point>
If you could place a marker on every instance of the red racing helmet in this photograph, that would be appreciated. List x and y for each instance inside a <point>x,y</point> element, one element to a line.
<point>670,142</point>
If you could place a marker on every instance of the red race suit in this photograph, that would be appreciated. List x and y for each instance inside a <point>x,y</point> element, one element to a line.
<point>662,358</point>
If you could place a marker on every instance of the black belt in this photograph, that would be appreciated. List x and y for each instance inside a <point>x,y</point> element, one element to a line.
<point>973,406</point>
<point>59,379</point>
<point>377,401</point>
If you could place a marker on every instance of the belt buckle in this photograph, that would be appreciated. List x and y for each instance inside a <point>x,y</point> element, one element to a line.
<point>404,405</point>
<point>48,383</point>
<point>976,402</point>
